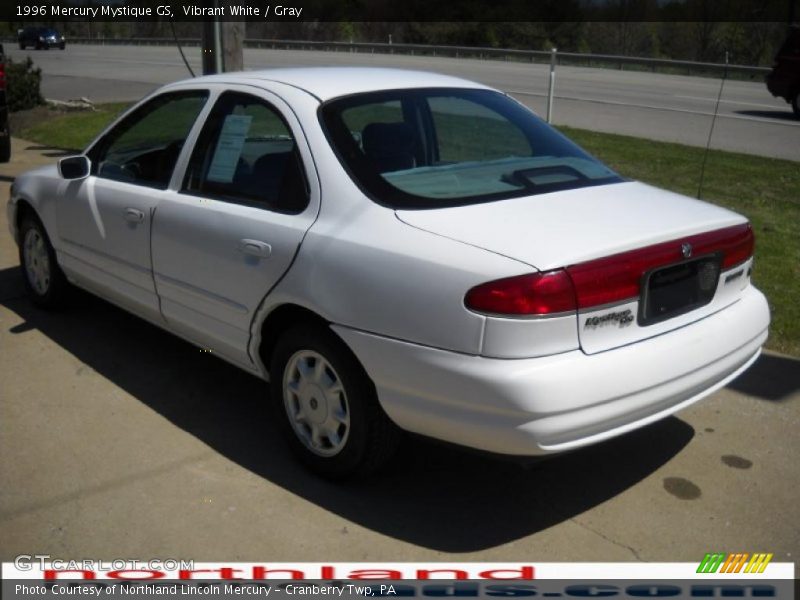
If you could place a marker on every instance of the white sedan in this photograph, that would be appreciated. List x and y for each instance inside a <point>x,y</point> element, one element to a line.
<point>395,250</point>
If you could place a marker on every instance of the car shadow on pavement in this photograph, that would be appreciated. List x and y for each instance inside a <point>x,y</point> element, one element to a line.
<point>772,377</point>
<point>781,115</point>
<point>432,495</point>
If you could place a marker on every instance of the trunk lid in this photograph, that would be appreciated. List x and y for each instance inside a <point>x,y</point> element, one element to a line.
<point>571,228</point>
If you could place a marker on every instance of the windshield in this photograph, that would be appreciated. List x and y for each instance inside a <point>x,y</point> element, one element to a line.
<point>430,148</point>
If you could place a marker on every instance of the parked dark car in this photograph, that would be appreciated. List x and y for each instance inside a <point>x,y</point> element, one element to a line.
<point>5,135</point>
<point>784,80</point>
<point>41,37</point>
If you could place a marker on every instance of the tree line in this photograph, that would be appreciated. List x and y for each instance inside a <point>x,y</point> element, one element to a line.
<point>747,43</point>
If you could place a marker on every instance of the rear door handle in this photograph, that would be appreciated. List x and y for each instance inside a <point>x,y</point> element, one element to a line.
<point>255,248</point>
<point>133,215</point>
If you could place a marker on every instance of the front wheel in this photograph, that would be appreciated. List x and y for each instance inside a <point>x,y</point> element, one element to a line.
<point>44,281</point>
<point>327,406</point>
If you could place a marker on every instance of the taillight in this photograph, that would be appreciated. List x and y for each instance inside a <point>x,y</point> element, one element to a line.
<point>739,250</point>
<point>616,278</point>
<point>605,280</point>
<point>534,294</point>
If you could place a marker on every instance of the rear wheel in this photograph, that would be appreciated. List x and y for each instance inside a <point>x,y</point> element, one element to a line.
<point>327,406</point>
<point>44,280</point>
<point>796,104</point>
<point>21,46</point>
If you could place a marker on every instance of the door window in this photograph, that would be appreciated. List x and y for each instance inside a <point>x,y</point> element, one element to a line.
<point>247,153</point>
<point>144,147</point>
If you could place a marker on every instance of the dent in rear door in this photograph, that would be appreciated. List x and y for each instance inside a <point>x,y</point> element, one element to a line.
<point>223,241</point>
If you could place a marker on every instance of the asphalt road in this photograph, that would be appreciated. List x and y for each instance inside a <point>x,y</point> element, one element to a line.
<point>118,440</point>
<point>655,106</point>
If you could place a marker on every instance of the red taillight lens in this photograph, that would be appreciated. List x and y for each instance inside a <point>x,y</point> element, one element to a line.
<point>739,249</point>
<point>615,278</point>
<point>605,280</point>
<point>534,294</point>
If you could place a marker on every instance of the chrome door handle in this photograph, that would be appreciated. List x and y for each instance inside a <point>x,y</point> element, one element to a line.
<point>134,216</point>
<point>255,248</point>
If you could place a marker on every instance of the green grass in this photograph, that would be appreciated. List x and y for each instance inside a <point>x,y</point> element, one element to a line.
<point>765,190</point>
<point>68,130</point>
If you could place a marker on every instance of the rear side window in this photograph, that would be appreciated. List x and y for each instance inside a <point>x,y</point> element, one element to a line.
<point>247,153</point>
<point>144,147</point>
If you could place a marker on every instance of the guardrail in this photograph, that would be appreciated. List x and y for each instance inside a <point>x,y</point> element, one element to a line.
<point>507,54</point>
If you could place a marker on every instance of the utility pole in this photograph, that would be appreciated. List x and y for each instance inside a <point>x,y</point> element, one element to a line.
<point>208,48</point>
<point>233,33</point>
<point>222,46</point>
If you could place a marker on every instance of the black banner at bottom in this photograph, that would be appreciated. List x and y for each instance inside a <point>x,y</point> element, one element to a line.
<point>439,588</point>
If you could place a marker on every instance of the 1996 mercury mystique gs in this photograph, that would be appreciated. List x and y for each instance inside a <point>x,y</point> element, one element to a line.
<point>397,250</point>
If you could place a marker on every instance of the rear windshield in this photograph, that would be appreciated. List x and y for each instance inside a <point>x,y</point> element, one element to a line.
<point>430,148</point>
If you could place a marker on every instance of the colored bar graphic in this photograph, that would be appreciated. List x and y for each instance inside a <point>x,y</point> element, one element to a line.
<point>719,562</point>
<point>758,563</point>
<point>711,563</point>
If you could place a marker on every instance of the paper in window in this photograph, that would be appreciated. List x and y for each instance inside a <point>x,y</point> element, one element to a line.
<point>229,148</point>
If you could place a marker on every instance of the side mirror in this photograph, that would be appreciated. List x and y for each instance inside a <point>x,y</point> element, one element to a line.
<point>74,167</point>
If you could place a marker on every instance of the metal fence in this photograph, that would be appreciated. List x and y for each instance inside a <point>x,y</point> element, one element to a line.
<point>505,54</point>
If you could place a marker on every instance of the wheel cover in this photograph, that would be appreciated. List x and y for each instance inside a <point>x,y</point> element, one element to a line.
<point>37,261</point>
<point>316,403</point>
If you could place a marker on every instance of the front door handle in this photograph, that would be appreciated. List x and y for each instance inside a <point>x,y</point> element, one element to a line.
<point>133,215</point>
<point>255,248</point>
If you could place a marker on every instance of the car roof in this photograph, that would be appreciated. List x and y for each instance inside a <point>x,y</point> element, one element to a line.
<point>332,82</point>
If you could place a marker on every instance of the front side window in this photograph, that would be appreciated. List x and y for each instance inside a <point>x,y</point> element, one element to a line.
<point>144,147</point>
<point>429,148</point>
<point>246,153</point>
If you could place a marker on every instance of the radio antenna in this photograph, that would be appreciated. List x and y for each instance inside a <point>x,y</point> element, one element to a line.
<point>711,130</point>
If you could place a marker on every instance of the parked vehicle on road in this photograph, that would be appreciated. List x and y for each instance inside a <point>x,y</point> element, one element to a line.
<point>397,250</point>
<point>5,132</point>
<point>784,80</point>
<point>41,38</point>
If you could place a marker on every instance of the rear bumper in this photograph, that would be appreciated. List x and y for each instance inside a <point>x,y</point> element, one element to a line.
<point>535,406</point>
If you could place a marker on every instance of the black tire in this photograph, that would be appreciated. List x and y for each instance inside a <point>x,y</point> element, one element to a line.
<point>21,46</point>
<point>5,147</point>
<point>796,104</point>
<point>50,291</point>
<point>63,45</point>
<point>368,440</point>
